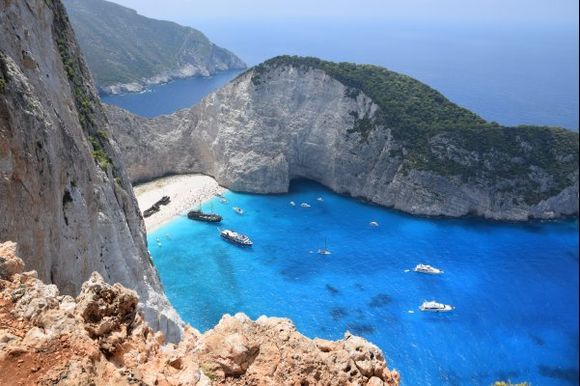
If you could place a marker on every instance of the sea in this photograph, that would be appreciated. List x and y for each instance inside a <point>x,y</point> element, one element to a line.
<point>514,286</point>
<point>511,74</point>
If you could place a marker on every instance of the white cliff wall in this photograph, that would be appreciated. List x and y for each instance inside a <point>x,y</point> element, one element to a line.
<point>69,216</point>
<point>256,136</point>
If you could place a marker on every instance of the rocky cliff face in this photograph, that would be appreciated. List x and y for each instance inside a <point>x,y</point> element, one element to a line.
<point>127,52</point>
<point>64,195</point>
<point>276,123</point>
<point>100,338</point>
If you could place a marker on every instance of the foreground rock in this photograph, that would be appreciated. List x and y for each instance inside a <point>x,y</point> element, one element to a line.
<point>101,338</point>
<point>64,194</point>
<point>406,146</point>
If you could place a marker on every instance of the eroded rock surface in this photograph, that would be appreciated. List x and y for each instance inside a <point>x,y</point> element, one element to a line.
<point>101,338</point>
<point>279,122</point>
<point>64,194</point>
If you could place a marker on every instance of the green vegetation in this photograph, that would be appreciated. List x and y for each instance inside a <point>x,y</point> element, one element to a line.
<point>418,115</point>
<point>99,154</point>
<point>207,369</point>
<point>123,47</point>
<point>2,84</point>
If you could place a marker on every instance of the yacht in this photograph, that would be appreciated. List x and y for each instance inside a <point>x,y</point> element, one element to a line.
<point>324,251</point>
<point>425,268</point>
<point>433,306</point>
<point>305,205</point>
<point>236,238</point>
<point>238,210</point>
<point>205,217</point>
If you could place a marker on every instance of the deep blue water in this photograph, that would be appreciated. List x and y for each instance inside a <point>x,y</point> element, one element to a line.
<point>514,286</point>
<point>170,97</point>
<point>516,74</point>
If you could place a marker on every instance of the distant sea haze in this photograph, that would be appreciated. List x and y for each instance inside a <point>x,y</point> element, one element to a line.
<point>511,75</point>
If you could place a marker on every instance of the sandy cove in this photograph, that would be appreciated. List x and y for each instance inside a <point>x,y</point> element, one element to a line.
<point>185,192</point>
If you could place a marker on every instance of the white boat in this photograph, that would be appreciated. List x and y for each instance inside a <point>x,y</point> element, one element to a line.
<point>238,210</point>
<point>292,203</point>
<point>425,268</point>
<point>374,224</point>
<point>236,238</point>
<point>223,200</point>
<point>320,199</point>
<point>305,205</point>
<point>433,306</point>
<point>324,251</point>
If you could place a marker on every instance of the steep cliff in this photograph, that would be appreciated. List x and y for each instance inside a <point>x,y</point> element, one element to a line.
<point>64,195</point>
<point>126,51</point>
<point>100,338</point>
<point>362,131</point>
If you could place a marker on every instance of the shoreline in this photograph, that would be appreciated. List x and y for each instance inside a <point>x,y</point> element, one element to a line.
<point>140,87</point>
<point>185,192</point>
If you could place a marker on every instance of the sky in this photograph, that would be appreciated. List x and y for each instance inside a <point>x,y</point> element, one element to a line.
<point>546,12</point>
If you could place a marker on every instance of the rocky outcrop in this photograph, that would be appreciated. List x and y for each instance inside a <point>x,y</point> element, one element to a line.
<point>127,52</point>
<point>64,194</point>
<point>100,338</point>
<point>276,123</point>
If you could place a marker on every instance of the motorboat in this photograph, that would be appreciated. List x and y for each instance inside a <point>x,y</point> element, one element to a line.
<point>236,238</point>
<point>433,306</point>
<point>238,210</point>
<point>198,215</point>
<point>320,199</point>
<point>374,224</point>
<point>305,205</point>
<point>425,268</point>
<point>292,203</point>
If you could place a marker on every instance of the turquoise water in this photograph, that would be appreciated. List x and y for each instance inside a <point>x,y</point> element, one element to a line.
<point>515,287</point>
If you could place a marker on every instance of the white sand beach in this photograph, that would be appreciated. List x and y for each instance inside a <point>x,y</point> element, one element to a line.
<point>185,191</point>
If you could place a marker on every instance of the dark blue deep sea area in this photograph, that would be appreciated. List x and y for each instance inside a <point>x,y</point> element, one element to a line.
<point>170,97</point>
<point>512,74</point>
<point>514,286</point>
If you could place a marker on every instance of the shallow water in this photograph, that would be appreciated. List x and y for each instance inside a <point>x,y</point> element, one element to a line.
<point>515,287</point>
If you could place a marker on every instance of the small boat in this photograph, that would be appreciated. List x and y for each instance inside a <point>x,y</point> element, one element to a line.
<point>238,210</point>
<point>223,200</point>
<point>205,217</point>
<point>305,205</point>
<point>324,251</point>
<point>433,306</point>
<point>292,203</point>
<point>320,199</point>
<point>236,238</point>
<point>374,224</point>
<point>425,268</point>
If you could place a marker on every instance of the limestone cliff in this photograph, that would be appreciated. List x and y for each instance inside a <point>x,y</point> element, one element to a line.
<point>64,194</point>
<point>362,131</point>
<point>100,338</point>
